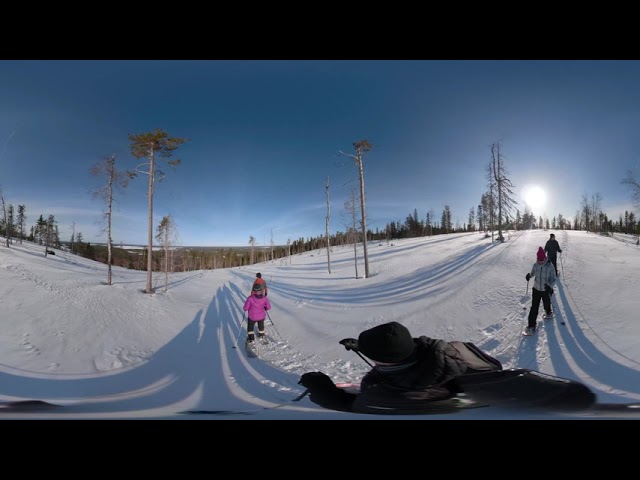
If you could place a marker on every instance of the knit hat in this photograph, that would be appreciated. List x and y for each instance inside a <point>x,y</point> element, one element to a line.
<point>552,236</point>
<point>388,343</point>
<point>257,287</point>
<point>258,275</point>
<point>541,255</point>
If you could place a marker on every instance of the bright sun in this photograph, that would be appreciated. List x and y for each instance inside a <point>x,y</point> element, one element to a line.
<point>534,197</point>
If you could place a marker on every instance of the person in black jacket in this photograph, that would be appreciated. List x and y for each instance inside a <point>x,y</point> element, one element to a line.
<point>552,247</point>
<point>411,375</point>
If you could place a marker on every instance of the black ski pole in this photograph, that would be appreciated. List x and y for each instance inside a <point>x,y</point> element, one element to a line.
<point>274,325</point>
<point>352,344</point>
<point>360,355</point>
<point>301,396</point>
<point>241,325</point>
<point>527,292</point>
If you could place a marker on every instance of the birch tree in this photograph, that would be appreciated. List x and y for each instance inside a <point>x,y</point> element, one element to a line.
<point>153,146</point>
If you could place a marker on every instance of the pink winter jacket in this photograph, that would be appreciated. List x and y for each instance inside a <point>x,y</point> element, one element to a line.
<point>257,306</point>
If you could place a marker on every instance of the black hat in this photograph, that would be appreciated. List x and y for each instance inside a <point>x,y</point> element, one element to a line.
<point>259,275</point>
<point>552,235</point>
<point>387,343</point>
<point>257,287</point>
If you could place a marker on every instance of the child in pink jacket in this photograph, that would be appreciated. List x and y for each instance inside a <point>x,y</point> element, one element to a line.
<point>257,305</point>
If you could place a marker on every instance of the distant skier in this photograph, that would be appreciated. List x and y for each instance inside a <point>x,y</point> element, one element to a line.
<point>263,285</point>
<point>545,280</point>
<point>256,305</point>
<point>552,247</point>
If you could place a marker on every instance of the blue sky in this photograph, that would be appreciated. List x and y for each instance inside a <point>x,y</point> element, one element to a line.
<point>264,135</point>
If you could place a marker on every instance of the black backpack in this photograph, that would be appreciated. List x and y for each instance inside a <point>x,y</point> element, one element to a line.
<point>476,359</point>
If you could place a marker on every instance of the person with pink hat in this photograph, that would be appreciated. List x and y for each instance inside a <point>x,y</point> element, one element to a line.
<point>544,274</point>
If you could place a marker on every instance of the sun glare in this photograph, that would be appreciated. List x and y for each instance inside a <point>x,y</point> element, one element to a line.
<point>535,198</point>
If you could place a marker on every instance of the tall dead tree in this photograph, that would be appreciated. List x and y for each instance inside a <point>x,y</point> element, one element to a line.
<point>361,147</point>
<point>153,146</point>
<point>114,179</point>
<point>503,188</point>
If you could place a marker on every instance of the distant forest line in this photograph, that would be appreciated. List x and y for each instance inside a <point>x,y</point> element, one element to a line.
<point>187,258</point>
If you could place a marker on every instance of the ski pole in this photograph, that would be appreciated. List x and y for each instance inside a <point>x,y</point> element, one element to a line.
<point>301,396</point>
<point>527,292</point>
<point>352,344</point>
<point>360,355</point>
<point>241,325</point>
<point>273,324</point>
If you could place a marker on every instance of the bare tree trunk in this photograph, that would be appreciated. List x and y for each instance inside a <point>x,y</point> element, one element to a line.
<point>364,217</point>
<point>166,258</point>
<point>497,175</point>
<point>326,187</point>
<point>362,146</point>
<point>149,288</point>
<point>109,209</point>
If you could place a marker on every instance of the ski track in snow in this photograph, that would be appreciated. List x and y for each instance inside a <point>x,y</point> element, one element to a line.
<point>577,350</point>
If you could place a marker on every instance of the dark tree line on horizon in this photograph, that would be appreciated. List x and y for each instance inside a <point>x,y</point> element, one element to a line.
<point>496,211</point>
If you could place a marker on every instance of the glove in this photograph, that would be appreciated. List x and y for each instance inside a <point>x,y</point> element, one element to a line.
<point>350,344</point>
<point>265,294</point>
<point>323,392</point>
<point>316,381</point>
<point>528,277</point>
<point>548,289</point>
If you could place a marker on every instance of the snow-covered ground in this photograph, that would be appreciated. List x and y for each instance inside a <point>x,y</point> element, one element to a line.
<point>114,352</point>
